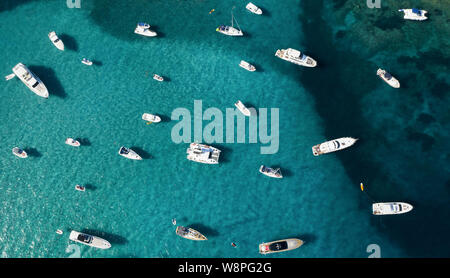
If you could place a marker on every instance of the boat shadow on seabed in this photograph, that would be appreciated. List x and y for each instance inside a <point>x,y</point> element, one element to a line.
<point>48,77</point>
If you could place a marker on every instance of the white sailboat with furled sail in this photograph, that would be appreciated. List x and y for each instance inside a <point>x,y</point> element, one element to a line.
<point>230,30</point>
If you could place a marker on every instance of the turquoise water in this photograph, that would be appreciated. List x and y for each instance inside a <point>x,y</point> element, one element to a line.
<point>403,152</point>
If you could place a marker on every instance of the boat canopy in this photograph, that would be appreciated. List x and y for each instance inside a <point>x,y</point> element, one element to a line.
<point>293,52</point>
<point>281,245</point>
<point>387,75</point>
<point>416,11</point>
<point>143,24</point>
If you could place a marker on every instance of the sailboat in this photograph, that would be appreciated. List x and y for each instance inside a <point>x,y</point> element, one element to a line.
<point>230,30</point>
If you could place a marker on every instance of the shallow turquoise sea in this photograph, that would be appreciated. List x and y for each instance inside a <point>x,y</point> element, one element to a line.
<point>402,155</point>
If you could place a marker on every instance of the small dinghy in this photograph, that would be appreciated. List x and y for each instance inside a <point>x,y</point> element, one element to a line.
<point>414,14</point>
<point>151,118</point>
<point>242,108</point>
<point>129,153</point>
<point>10,76</point>
<point>158,78</point>
<point>59,232</point>
<point>253,8</point>
<point>273,173</point>
<point>388,78</point>
<point>80,188</point>
<point>86,62</point>
<point>19,152</point>
<point>72,142</point>
<point>56,41</point>
<point>245,65</point>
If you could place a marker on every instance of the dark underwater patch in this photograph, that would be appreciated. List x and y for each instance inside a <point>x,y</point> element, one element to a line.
<point>389,23</point>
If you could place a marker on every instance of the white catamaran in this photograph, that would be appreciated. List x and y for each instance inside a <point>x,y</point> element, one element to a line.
<point>333,145</point>
<point>31,80</point>
<point>230,30</point>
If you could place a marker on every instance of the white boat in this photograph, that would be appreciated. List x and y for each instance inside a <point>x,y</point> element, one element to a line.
<point>242,108</point>
<point>247,66</point>
<point>151,118</point>
<point>129,153</point>
<point>189,233</point>
<point>144,30</point>
<point>253,8</point>
<point>158,77</point>
<point>391,208</point>
<point>280,245</point>
<point>296,57</point>
<point>72,142</point>
<point>56,41</point>
<point>388,78</point>
<point>87,62</point>
<point>333,145</point>
<point>89,240</point>
<point>31,80</point>
<point>230,30</point>
<point>19,152</point>
<point>10,76</point>
<point>414,14</point>
<point>80,188</point>
<point>273,173</point>
<point>203,153</point>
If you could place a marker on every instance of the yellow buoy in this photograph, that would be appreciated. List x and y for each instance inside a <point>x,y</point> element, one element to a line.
<point>362,186</point>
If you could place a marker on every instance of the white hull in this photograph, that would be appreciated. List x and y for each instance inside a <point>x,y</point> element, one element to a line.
<point>158,78</point>
<point>129,153</point>
<point>19,152</point>
<point>270,172</point>
<point>243,64</point>
<point>418,15</point>
<point>333,145</point>
<point>388,78</point>
<point>32,81</point>
<point>296,57</point>
<point>86,62</point>
<point>244,110</point>
<point>280,246</point>
<point>143,29</point>
<point>253,8</point>
<point>229,31</point>
<point>189,233</point>
<point>203,154</point>
<point>56,41</point>
<point>151,118</point>
<point>10,76</point>
<point>80,188</point>
<point>89,240</point>
<point>72,142</point>
<point>391,208</point>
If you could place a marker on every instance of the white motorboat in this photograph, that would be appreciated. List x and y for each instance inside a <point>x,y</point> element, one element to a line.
<point>242,108</point>
<point>273,173</point>
<point>10,76</point>
<point>80,188</point>
<point>247,66</point>
<point>203,153</point>
<point>56,41</point>
<point>230,30</point>
<point>296,57</point>
<point>414,14</point>
<point>280,245</point>
<point>72,142</point>
<point>333,145</point>
<point>19,152</point>
<point>158,77</point>
<point>151,118</point>
<point>87,62</point>
<point>89,240</point>
<point>144,30</point>
<point>388,78</point>
<point>31,80</point>
<point>189,233</point>
<point>391,208</point>
<point>253,8</point>
<point>129,153</point>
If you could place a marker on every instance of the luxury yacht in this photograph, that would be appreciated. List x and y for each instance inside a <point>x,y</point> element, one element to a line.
<point>253,8</point>
<point>333,145</point>
<point>273,173</point>
<point>89,240</point>
<point>247,66</point>
<point>151,118</point>
<point>144,30</point>
<point>230,30</point>
<point>296,57</point>
<point>391,208</point>
<point>80,188</point>
<point>414,14</point>
<point>72,142</point>
<point>86,62</point>
<point>388,78</point>
<point>129,153</point>
<point>190,233</point>
<point>19,152</point>
<point>158,78</point>
<point>203,153</point>
<point>280,245</point>
<point>244,110</point>
<point>31,80</point>
<point>56,41</point>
